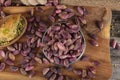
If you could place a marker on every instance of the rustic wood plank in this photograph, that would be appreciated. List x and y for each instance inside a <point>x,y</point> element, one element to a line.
<point>116,68</point>
<point>115,56</point>
<point>113,4</point>
<point>114,52</point>
<point>115,60</point>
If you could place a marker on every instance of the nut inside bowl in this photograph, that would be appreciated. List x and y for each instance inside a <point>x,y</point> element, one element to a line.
<point>11,29</point>
<point>65,43</point>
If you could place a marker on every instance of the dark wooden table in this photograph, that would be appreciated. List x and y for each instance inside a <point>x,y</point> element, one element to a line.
<point>115,54</point>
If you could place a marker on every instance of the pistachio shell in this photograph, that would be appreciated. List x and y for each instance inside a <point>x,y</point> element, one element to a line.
<point>14,68</point>
<point>80,10</point>
<point>56,2</point>
<point>2,53</point>
<point>2,66</point>
<point>9,62</point>
<point>10,48</point>
<point>49,74</point>
<point>94,43</point>
<point>12,56</point>
<point>29,68</point>
<point>45,71</point>
<point>61,46</point>
<point>84,73</point>
<point>53,77</point>
<point>113,43</point>
<point>23,72</point>
<point>8,2</point>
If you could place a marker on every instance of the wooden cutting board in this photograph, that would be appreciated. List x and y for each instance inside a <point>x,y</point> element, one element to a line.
<point>101,53</point>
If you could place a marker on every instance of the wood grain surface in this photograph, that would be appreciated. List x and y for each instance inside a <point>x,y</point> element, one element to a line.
<point>101,53</point>
<point>115,57</point>
<point>113,4</point>
<point>115,54</point>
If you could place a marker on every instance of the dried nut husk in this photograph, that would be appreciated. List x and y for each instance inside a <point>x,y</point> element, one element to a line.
<point>52,19</point>
<point>14,68</point>
<point>84,73</point>
<point>56,2</point>
<point>64,15</point>
<point>94,42</point>
<point>53,77</point>
<point>38,60</point>
<point>20,46</point>
<point>23,72</point>
<point>8,2</point>
<point>37,18</point>
<point>113,43</point>
<point>45,71</point>
<point>16,52</point>
<point>92,69</point>
<point>15,46</point>
<point>58,11</point>
<point>61,46</point>
<point>90,74</point>
<point>2,1</point>
<point>83,20</point>
<point>10,48</point>
<point>29,68</point>
<point>56,60</point>
<point>31,19</point>
<point>2,14</point>
<point>66,63</point>
<point>9,62</point>
<point>2,66</point>
<point>49,74</point>
<point>45,61</point>
<point>54,69</point>
<point>117,46</point>
<point>12,56</point>
<point>80,10</point>
<point>2,54</point>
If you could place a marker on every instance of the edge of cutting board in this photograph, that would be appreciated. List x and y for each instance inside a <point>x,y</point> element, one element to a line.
<point>10,76</point>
